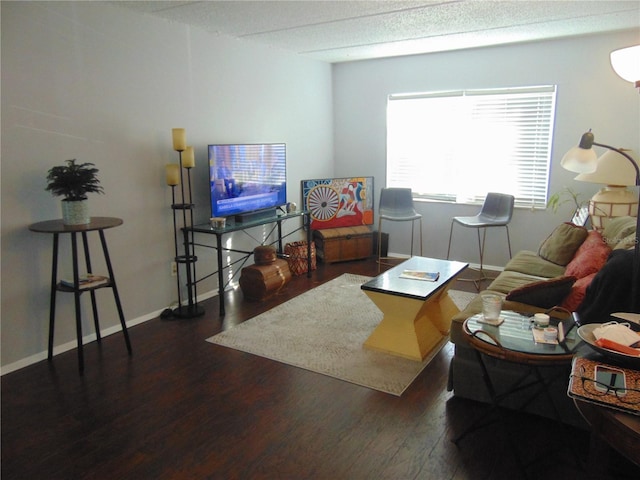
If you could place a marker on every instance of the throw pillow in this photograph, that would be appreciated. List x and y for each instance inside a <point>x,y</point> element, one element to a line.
<point>617,229</point>
<point>545,293</point>
<point>626,243</point>
<point>577,293</point>
<point>562,244</point>
<point>590,257</point>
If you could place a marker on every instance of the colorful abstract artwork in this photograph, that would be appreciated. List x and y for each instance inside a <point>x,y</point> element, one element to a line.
<point>338,202</point>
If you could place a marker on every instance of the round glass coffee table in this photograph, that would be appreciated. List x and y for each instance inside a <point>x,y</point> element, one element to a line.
<point>513,340</point>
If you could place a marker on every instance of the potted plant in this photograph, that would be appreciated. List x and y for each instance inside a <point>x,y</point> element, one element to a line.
<point>565,195</point>
<point>73,181</point>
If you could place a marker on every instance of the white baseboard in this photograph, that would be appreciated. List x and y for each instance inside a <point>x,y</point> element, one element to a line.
<point>65,347</point>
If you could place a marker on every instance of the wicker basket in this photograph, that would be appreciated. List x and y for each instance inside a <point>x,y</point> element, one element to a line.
<point>296,253</point>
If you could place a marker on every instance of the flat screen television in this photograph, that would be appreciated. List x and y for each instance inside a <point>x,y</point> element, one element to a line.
<point>247,178</point>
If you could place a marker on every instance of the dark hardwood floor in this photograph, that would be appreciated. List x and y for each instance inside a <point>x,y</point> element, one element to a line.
<point>181,407</point>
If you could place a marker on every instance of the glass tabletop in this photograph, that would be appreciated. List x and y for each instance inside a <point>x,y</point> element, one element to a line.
<point>516,334</point>
<point>232,226</point>
<point>392,283</point>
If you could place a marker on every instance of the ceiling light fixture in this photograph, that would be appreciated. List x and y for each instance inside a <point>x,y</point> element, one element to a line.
<point>626,63</point>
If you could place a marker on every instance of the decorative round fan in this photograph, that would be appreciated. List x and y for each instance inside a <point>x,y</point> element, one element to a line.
<point>322,203</point>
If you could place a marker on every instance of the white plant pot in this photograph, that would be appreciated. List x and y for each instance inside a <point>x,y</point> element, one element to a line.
<point>75,212</point>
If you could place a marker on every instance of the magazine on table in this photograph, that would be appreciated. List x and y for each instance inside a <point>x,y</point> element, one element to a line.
<point>420,275</point>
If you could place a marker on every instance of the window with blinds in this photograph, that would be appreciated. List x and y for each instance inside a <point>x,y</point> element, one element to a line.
<point>457,146</point>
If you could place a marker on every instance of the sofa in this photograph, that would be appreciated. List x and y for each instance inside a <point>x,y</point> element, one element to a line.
<point>557,274</point>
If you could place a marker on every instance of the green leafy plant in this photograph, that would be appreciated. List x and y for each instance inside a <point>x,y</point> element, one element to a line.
<point>73,181</point>
<point>563,196</point>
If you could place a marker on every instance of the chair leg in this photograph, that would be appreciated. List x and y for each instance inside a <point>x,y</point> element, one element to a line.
<point>480,248</point>
<point>412,234</point>
<point>450,234</point>
<point>508,240</point>
<point>478,281</point>
<point>484,239</point>
<point>379,243</point>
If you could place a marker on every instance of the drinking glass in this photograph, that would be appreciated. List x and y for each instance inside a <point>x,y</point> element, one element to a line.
<point>491,307</point>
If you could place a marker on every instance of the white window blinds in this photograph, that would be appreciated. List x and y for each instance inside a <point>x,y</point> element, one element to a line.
<point>457,146</point>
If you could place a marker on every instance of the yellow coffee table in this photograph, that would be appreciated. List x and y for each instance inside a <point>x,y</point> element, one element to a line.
<point>417,313</point>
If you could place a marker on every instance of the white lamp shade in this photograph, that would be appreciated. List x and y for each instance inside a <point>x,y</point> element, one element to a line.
<point>626,63</point>
<point>579,160</point>
<point>611,169</point>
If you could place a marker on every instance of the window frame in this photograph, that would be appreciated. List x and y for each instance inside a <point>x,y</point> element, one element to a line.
<point>530,115</point>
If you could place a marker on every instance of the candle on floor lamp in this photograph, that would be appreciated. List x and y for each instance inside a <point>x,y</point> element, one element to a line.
<point>173,174</point>
<point>179,139</point>
<point>188,160</point>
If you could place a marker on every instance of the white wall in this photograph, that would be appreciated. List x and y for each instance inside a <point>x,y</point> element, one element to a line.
<point>590,95</point>
<point>105,85</point>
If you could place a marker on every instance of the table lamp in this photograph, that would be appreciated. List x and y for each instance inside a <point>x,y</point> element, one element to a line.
<point>583,159</point>
<point>614,200</point>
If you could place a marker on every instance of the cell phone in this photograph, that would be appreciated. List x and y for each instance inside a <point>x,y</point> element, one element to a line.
<point>565,326</point>
<point>611,377</point>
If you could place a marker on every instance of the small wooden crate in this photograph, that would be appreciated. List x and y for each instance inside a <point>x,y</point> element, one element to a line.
<point>259,282</point>
<point>343,243</point>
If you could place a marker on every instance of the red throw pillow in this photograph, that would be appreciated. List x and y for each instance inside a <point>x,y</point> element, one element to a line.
<point>578,290</point>
<point>590,257</point>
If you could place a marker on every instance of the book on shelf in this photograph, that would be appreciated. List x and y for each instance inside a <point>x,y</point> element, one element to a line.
<point>86,281</point>
<point>420,275</point>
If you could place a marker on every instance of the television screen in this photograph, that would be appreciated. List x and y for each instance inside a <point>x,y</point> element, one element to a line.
<point>247,178</point>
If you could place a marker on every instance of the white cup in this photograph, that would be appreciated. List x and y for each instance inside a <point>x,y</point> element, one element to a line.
<point>541,320</point>
<point>491,307</point>
<point>550,333</point>
<point>217,222</point>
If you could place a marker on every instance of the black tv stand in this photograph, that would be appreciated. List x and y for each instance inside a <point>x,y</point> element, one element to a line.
<point>227,268</point>
<point>255,216</point>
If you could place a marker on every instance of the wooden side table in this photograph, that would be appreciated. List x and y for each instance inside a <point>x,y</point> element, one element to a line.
<point>56,227</point>
<point>610,428</point>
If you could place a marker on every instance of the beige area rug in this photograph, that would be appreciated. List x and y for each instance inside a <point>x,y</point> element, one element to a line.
<point>323,330</point>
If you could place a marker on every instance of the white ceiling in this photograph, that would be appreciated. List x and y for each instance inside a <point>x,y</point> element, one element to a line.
<point>344,30</point>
